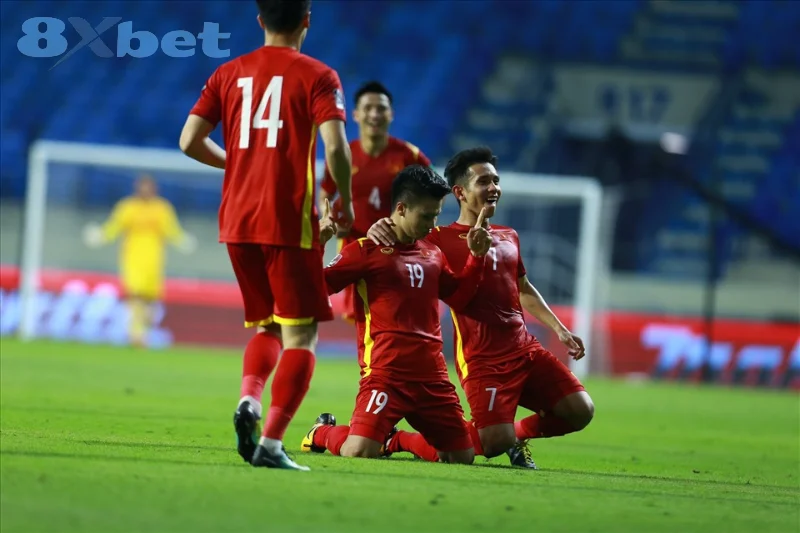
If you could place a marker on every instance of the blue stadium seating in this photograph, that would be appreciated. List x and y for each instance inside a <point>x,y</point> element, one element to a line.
<point>434,56</point>
<point>433,59</point>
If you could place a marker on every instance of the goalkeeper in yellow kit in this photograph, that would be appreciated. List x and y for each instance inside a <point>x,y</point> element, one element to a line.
<point>145,222</point>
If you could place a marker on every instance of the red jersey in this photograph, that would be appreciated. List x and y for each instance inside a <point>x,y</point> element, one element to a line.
<point>372,181</point>
<point>271,102</point>
<point>397,316</point>
<point>491,329</point>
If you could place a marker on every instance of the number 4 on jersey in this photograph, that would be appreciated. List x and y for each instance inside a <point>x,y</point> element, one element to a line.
<point>271,98</point>
<point>375,198</point>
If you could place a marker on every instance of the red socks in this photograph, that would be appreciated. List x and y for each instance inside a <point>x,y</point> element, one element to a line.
<point>405,441</point>
<point>289,387</point>
<point>331,437</point>
<point>476,438</point>
<point>542,427</point>
<point>260,357</point>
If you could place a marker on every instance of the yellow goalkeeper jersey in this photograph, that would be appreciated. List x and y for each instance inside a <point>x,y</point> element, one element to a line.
<point>145,227</point>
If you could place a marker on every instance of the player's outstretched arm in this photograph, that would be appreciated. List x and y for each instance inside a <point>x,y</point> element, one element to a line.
<point>195,142</point>
<point>178,237</point>
<point>96,235</point>
<point>458,290</point>
<point>339,160</point>
<point>533,302</point>
<point>346,268</point>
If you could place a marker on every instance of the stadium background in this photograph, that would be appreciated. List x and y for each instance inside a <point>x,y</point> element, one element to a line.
<point>703,279</point>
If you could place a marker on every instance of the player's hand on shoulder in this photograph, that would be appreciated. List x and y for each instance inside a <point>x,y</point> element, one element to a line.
<point>327,225</point>
<point>93,236</point>
<point>479,238</point>
<point>573,343</point>
<point>381,232</point>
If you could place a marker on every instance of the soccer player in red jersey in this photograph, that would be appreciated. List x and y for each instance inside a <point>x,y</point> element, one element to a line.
<point>272,102</point>
<point>499,363</point>
<point>403,370</point>
<point>377,158</point>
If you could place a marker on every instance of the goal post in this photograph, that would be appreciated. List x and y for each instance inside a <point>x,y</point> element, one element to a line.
<point>532,196</point>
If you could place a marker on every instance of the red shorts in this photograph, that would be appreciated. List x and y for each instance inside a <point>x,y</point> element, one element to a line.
<point>536,381</point>
<point>280,284</point>
<point>432,408</point>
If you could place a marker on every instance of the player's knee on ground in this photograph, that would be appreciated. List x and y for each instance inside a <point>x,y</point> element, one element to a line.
<point>299,337</point>
<point>356,446</point>
<point>462,457</point>
<point>496,440</point>
<point>577,408</point>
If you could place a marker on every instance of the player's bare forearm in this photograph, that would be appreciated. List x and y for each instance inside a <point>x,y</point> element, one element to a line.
<point>338,156</point>
<point>533,303</point>
<point>195,142</point>
<point>340,160</point>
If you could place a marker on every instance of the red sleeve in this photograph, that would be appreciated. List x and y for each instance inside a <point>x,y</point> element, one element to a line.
<point>328,185</point>
<point>327,98</point>
<point>346,268</point>
<point>458,290</point>
<point>209,105</point>
<point>520,265</point>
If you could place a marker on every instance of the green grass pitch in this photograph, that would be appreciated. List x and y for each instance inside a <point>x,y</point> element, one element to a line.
<point>101,439</point>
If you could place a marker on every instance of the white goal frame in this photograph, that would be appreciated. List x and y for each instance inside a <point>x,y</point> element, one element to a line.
<point>43,153</point>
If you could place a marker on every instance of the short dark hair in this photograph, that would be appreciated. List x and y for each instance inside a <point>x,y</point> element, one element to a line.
<point>416,182</point>
<point>458,167</point>
<point>283,16</point>
<point>372,87</point>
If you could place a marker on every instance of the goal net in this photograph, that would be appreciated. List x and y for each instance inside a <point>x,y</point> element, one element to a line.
<point>70,291</point>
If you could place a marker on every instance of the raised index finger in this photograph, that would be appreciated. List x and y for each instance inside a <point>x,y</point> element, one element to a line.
<point>481,216</point>
<point>326,209</point>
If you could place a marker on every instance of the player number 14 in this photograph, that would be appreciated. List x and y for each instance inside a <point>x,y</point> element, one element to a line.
<point>272,98</point>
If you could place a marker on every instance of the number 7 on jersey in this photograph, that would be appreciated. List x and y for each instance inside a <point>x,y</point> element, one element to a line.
<point>272,98</point>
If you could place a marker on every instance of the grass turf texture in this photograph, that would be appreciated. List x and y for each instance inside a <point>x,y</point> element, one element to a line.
<point>113,439</point>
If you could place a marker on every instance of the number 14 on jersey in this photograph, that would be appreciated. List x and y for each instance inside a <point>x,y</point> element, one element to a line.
<point>272,123</point>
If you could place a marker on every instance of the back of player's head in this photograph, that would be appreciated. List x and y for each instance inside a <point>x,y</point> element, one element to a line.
<point>372,87</point>
<point>417,182</point>
<point>283,16</point>
<point>457,169</point>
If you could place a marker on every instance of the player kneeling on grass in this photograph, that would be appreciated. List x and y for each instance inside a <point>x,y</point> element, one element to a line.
<point>501,366</point>
<point>398,287</point>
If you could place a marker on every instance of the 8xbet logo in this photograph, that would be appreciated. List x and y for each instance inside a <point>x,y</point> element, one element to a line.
<point>44,37</point>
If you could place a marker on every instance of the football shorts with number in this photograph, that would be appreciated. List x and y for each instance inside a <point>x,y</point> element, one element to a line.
<point>430,407</point>
<point>498,361</point>
<point>271,103</point>
<point>403,369</point>
<point>536,381</point>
